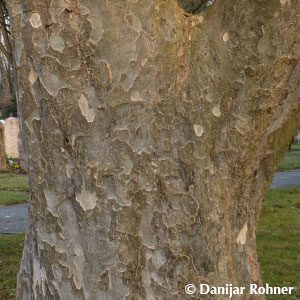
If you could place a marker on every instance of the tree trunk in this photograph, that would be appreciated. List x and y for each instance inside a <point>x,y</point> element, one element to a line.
<point>152,136</point>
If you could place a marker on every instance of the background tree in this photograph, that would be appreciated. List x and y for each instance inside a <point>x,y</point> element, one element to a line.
<point>8,104</point>
<point>152,136</point>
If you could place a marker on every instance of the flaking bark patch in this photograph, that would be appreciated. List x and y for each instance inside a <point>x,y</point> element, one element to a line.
<point>241,239</point>
<point>35,20</point>
<point>87,200</point>
<point>86,111</point>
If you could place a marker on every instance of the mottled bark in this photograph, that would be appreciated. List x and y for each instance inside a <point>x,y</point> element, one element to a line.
<point>151,138</point>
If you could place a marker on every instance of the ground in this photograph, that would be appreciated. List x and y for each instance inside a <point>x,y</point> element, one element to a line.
<point>11,248</point>
<point>277,239</point>
<point>286,179</point>
<point>13,189</point>
<point>291,159</point>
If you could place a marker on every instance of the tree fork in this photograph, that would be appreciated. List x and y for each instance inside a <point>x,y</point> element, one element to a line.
<point>151,139</point>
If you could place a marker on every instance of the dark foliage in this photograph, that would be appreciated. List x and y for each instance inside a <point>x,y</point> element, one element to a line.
<point>195,6</point>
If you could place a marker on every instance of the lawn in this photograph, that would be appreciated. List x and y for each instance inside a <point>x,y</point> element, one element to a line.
<point>291,160</point>
<point>295,147</point>
<point>11,248</point>
<point>9,198</point>
<point>13,189</point>
<point>13,182</point>
<point>278,240</point>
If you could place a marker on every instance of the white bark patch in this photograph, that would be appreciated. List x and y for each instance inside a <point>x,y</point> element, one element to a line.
<point>216,111</point>
<point>144,61</point>
<point>97,29</point>
<point>225,37</point>
<point>32,77</point>
<point>52,202</point>
<point>57,43</point>
<point>241,239</point>
<point>78,262</point>
<point>35,20</point>
<point>135,96</point>
<point>87,200</point>
<point>283,2</point>
<point>198,130</point>
<point>87,112</point>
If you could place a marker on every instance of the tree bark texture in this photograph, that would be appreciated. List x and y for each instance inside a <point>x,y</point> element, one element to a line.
<point>151,137</point>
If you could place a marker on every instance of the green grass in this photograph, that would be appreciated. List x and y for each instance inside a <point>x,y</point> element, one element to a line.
<point>278,241</point>
<point>10,198</point>
<point>13,182</point>
<point>295,147</point>
<point>11,248</point>
<point>291,161</point>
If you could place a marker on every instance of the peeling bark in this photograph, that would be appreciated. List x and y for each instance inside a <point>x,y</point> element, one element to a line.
<point>151,139</point>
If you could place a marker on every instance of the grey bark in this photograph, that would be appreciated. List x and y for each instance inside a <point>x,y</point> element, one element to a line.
<point>151,138</point>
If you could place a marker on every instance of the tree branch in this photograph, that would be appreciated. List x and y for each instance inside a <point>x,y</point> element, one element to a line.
<point>6,53</point>
<point>4,32</point>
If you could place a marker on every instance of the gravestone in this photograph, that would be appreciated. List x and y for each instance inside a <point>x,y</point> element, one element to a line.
<point>2,149</point>
<point>11,136</point>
